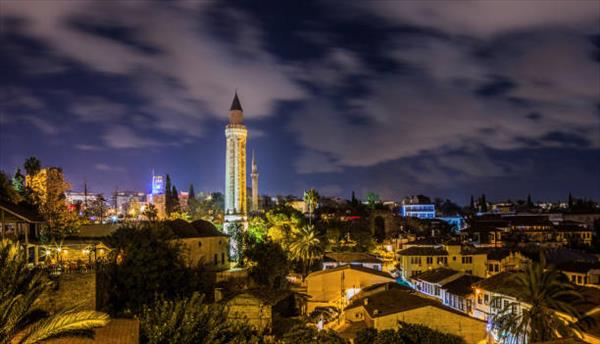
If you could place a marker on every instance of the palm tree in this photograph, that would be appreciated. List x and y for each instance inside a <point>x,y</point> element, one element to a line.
<point>544,293</point>
<point>306,247</point>
<point>311,198</point>
<point>21,321</point>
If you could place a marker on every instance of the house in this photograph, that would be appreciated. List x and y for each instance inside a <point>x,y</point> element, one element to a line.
<point>496,293</point>
<point>202,243</point>
<point>256,307</point>
<point>459,294</point>
<point>486,232</point>
<point>431,282</point>
<point>337,286</point>
<point>417,259</point>
<point>581,273</point>
<point>572,232</point>
<point>19,222</point>
<point>383,310</point>
<point>502,259</point>
<point>334,259</point>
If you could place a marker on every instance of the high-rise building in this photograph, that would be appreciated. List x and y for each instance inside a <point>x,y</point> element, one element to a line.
<point>235,167</point>
<point>254,175</point>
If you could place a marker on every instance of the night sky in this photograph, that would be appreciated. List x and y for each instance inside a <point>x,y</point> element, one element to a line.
<point>443,98</point>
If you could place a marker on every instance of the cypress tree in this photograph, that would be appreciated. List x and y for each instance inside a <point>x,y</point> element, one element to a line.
<point>174,200</point>
<point>168,198</point>
<point>191,196</point>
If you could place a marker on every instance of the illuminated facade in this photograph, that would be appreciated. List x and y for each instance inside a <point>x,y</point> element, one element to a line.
<point>235,167</point>
<point>254,175</point>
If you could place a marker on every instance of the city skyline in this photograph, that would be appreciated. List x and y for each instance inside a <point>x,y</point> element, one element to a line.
<point>359,98</point>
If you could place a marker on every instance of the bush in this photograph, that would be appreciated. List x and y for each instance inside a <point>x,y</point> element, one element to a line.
<point>191,321</point>
<point>144,264</point>
<point>407,334</point>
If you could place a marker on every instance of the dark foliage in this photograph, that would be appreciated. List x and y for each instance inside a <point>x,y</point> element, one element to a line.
<point>407,334</point>
<point>270,264</point>
<point>142,266</point>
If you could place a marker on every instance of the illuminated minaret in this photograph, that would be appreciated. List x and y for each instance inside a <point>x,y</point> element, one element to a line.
<point>254,176</point>
<point>235,167</point>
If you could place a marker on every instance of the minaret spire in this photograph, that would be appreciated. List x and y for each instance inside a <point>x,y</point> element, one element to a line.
<point>235,104</point>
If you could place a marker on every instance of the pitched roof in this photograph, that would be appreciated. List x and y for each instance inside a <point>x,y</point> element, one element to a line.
<point>497,253</point>
<point>423,251</point>
<point>578,267</point>
<point>502,283</point>
<point>352,267</point>
<point>197,229</point>
<point>462,286</point>
<point>343,257</point>
<point>435,276</point>
<point>21,211</point>
<point>236,105</point>
<point>390,302</point>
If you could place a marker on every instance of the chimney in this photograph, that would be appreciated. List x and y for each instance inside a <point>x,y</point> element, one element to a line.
<point>218,294</point>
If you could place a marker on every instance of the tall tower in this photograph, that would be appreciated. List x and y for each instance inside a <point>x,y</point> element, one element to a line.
<point>254,176</point>
<point>235,166</point>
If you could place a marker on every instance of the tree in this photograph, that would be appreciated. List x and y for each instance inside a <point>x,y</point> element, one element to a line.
<point>175,206</point>
<point>257,228</point>
<point>144,263</point>
<point>530,204</point>
<point>268,264</point>
<point>192,202</point>
<point>32,166</point>
<point>237,242</point>
<point>97,207</point>
<point>21,322</point>
<point>302,334</point>
<point>311,198</point>
<point>7,192</point>
<point>306,247</point>
<point>407,334</point>
<point>151,213</point>
<point>18,182</point>
<point>545,290</point>
<point>571,201</point>
<point>372,199</point>
<point>168,196</point>
<point>483,204</point>
<point>191,321</point>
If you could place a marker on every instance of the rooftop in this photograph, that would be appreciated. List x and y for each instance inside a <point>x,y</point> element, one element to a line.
<point>359,257</point>
<point>351,267</point>
<point>462,286</point>
<point>578,267</point>
<point>21,212</point>
<point>390,302</point>
<point>436,276</point>
<point>197,229</point>
<point>423,251</point>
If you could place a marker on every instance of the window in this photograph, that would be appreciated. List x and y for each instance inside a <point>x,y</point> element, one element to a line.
<point>216,259</point>
<point>486,299</point>
<point>442,260</point>
<point>222,258</point>
<point>497,267</point>
<point>491,267</point>
<point>199,243</point>
<point>429,260</point>
<point>467,260</point>
<point>579,279</point>
<point>479,299</point>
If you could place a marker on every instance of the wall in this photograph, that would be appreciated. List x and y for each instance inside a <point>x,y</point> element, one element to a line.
<point>248,309</point>
<point>472,330</point>
<point>204,250</point>
<point>328,287</point>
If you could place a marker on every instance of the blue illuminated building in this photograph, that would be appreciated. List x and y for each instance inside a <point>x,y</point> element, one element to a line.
<point>421,211</point>
<point>158,185</point>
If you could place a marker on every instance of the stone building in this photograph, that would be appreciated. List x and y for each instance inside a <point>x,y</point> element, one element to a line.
<point>202,242</point>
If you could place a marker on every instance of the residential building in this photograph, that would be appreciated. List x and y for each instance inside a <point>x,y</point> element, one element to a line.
<point>502,259</point>
<point>459,293</point>
<point>573,232</point>
<point>417,259</point>
<point>383,310</point>
<point>581,273</point>
<point>124,199</point>
<point>335,259</point>
<point>432,281</point>
<point>418,206</point>
<point>337,286</point>
<point>203,243</point>
<point>257,307</point>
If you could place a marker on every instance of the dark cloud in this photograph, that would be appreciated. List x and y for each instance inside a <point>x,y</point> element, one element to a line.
<point>419,96</point>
